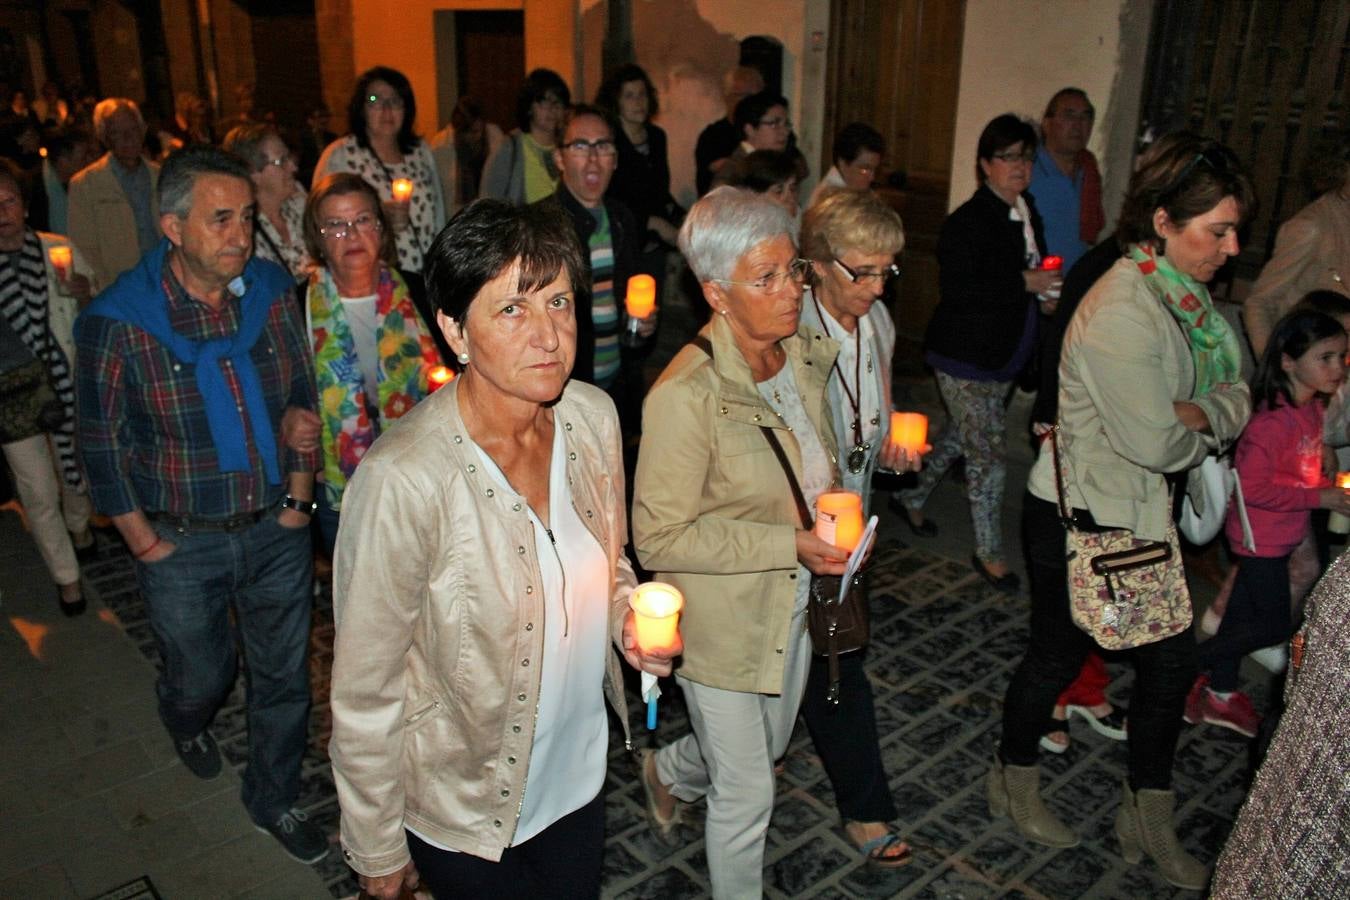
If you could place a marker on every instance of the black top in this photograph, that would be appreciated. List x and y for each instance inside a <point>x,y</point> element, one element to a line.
<point>625,237</point>
<point>718,141</point>
<point>981,253</point>
<point>1084,274</point>
<point>642,180</point>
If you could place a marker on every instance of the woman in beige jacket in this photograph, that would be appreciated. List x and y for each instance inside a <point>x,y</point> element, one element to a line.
<point>479,581</point>
<point>713,514</point>
<point>1149,384</point>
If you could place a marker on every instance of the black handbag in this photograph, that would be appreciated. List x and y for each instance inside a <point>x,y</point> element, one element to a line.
<point>836,626</point>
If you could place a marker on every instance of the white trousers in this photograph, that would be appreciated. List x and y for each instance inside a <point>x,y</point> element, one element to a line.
<point>729,757</point>
<point>39,489</point>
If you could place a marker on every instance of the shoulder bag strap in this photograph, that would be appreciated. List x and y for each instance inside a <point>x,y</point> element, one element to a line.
<point>1064,513</point>
<point>803,511</point>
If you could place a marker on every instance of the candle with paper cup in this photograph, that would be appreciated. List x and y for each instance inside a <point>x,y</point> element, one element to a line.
<point>402,189</point>
<point>639,302</point>
<point>656,615</point>
<point>909,432</point>
<point>440,376</point>
<point>839,519</point>
<point>60,258</point>
<point>1339,523</point>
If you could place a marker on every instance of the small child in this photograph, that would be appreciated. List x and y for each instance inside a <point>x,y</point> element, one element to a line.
<point>1279,460</point>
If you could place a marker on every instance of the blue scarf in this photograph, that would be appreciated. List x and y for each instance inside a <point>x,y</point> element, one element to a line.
<point>137,298</point>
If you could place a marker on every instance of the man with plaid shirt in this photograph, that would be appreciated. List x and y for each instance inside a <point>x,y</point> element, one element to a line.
<point>185,368</point>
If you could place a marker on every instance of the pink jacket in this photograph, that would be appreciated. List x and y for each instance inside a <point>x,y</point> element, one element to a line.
<point>1279,459</point>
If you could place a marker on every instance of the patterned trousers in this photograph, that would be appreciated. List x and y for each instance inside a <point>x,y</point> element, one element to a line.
<point>977,428</point>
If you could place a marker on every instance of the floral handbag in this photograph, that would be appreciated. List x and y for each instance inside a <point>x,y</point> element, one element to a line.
<point>1123,591</point>
<point>29,404</point>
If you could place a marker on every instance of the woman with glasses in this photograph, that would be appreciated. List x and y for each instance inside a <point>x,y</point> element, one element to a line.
<point>278,232</point>
<point>522,168</point>
<point>370,327</point>
<point>851,239</point>
<point>982,333</point>
<point>713,514</point>
<point>763,122</point>
<point>383,149</point>
<point>1149,385</point>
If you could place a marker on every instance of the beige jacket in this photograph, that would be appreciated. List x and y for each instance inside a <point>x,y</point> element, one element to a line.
<point>1125,360</point>
<point>102,224</point>
<point>712,510</point>
<point>1312,253</point>
<point>440,629</point>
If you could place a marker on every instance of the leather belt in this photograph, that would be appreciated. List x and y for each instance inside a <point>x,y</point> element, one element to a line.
<point>191,523</point>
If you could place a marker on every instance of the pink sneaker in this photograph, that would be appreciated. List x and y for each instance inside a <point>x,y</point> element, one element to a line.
<point>1236,713</point>
<point>1194,713</point>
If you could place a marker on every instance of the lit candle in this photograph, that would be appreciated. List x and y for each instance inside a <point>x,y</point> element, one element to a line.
<point>839,519</point>
<point>403,189</point>
<point>1340,522</point>
<point>909,432</point>
<point>656,613</point>
<point>641,298</point>
<point>60,258</point>
<point>440,375</point>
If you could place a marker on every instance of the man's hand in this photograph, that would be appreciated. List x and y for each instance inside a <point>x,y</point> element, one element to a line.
<point>300,429</point>
<point>389,887</point>
<point>656,661</point>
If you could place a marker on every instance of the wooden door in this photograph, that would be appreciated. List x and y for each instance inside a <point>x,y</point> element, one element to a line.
<point>490,58</point>
<point>896,64</point>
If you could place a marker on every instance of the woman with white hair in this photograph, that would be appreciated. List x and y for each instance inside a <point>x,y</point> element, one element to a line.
<point>713,514</point>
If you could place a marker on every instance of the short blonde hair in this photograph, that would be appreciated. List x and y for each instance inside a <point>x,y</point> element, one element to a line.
<point>845,220</point>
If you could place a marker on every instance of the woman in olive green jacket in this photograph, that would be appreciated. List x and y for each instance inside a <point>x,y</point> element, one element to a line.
<point>713,514</point>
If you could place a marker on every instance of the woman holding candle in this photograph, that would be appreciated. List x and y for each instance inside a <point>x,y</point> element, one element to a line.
<point>278,232</point>
<point>479,583</point>
<point>383,149</point>
<point>1279,460</point>
<point>982,333</point>
<point>1149,385</point>
<point>852,239</point>
<point>43,284</point>
<point>714,515</point>
<point>369,325</point>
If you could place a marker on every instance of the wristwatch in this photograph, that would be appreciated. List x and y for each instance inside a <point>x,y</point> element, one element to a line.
<point>302,506</point>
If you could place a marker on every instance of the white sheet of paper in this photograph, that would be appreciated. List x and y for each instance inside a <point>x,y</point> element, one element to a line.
<point>856,558</point>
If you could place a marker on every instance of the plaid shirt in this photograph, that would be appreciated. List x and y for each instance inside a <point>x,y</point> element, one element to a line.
<point>143,431</point>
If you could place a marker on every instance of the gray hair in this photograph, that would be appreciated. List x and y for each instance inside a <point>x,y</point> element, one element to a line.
<point>726,224</point>
<point>179,173</point>
<point>106,109</point>
<point>245,141</point>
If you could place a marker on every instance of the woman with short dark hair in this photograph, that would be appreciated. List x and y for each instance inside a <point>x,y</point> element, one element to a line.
<point>521,169</point>
<point>479,583</point>
<point>982,333</point>
<point>642,179</point>
<point>382,148</point>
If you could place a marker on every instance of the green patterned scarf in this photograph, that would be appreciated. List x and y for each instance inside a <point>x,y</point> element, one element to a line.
<point>1214,345</point>
<point>406,351</point>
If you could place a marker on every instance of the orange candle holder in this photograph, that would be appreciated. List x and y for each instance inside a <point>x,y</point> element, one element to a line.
<point>1340,522</point>
<point>641,297</point>
<point>656,614</point>
<point>440,376</point>
<point>839,519</point>
<point>402,188</point>
<point>909,432</point>
<point>60,259</point>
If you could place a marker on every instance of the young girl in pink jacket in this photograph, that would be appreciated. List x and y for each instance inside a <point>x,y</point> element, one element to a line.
<point>1279,461</point>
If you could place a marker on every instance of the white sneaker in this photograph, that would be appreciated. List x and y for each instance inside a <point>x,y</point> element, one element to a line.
<point>1272,658</point>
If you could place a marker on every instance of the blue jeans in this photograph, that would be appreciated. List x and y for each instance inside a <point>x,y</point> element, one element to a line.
<point>264,572</point>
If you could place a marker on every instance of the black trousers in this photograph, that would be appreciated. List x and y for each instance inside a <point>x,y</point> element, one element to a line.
<point>845,736</point>
<point>1164,669</point>
<point>562,861</point>
<point>1257,616</point>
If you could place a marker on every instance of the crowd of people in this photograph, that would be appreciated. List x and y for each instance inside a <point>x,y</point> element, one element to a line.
<point>418,350</point>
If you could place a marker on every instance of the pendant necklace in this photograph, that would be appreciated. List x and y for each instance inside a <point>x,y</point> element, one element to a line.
<point>857,457</point>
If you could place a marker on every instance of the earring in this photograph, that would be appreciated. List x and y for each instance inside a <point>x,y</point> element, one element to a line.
<point>723,310</point>
<point>463,359</point>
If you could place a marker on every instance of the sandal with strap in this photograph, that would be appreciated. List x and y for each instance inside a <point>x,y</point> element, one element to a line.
<point>1055,726</point>
<point>877,851</point>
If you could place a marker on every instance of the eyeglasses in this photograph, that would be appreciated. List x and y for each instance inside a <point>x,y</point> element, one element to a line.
<point>1008,156</point>
<point>604,149</point>
<point>280,162</point>
<point>774,281</point>
<point>776,122</point>
<point>375,101</point>
<point>337,229</point>
<point>868,278</point>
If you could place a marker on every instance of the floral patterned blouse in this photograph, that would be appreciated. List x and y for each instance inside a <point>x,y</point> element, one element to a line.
<point>291,255</point>
<point>426,207</point>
